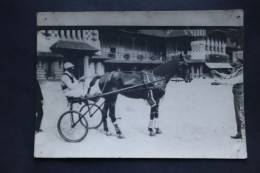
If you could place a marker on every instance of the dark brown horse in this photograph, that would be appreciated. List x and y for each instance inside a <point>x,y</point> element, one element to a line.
<point>152,92</point>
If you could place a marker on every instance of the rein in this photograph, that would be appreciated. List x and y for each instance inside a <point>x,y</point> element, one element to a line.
<point>127,89</point>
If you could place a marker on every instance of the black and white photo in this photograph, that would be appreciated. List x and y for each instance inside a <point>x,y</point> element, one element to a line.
<point>140,85</point>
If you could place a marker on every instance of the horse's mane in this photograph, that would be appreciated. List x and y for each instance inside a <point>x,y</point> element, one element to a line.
<point>168,68</point>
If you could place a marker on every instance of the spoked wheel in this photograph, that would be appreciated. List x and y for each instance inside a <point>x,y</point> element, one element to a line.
<point>93,113</point>
<point>73,126</point>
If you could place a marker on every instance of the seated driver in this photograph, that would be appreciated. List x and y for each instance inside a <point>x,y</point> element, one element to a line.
<point>69,84</point>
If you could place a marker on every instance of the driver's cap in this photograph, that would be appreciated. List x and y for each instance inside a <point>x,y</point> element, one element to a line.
<point>68,65</point>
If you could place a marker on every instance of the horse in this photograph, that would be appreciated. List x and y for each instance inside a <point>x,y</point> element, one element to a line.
<point>150,86</point>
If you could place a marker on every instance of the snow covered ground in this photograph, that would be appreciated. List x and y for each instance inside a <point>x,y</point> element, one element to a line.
<point>197,120</point>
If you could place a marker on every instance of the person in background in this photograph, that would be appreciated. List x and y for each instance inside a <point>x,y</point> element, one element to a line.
<point>69,84</point>
<point>39,110</point>
<point>235,79</point>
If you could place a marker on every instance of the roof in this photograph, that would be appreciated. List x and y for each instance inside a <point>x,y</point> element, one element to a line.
<point>133,61</point>
<point>180,33</point>
<point>158,33</point>
<point>62,45</point>
<point>195,61</point>
<point>218,65</point>
<point>167,33</point>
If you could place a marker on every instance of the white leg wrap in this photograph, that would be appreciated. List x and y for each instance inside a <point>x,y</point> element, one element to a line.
<point>117,129</point>
<point>150,124</point>
<point>156,123</point>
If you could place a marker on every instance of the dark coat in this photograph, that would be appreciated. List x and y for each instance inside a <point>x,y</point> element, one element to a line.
<point>39,96</point>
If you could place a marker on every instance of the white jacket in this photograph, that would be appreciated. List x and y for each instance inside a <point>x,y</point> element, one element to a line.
<point>70,85</point>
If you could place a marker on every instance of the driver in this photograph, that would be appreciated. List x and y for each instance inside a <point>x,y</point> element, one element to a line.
<point>69,84</point>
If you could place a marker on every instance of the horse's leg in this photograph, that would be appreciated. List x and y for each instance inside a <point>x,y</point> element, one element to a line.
<point>154,111</point>
<point>112,105</point>
<point>156,116</point>
<point>104,118</point>
<point>151,122</point>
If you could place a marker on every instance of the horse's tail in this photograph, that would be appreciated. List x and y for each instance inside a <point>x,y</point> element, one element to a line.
<point>93,81</point>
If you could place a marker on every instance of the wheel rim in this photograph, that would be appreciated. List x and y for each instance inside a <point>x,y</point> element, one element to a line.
<point>93,114</point>
<point>71,127</point>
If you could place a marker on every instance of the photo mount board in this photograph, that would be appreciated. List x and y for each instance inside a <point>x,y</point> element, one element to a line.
<point>186,135</point>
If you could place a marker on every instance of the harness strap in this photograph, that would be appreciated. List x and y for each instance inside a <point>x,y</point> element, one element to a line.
<point>153,76</point>
<point>150,97</point>
<point>64,86</point>
<point>148,79</point>
<point>71,78</point>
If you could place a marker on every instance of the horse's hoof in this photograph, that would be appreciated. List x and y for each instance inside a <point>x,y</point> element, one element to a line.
<point>158,131</point>
<point>108,133</point>
<point>120,136</point>
<point>152,133</point>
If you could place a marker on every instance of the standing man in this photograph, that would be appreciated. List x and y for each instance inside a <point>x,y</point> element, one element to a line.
<point>236,79</point>
<point>39,111</point>
<point>69,84</point>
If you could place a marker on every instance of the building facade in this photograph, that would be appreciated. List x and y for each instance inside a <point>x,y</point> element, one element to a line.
<point>129,50</point>
<point>95,52</point>
<point>81,47</point>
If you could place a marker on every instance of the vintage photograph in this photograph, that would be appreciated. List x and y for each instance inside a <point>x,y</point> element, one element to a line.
<point>141,88</point>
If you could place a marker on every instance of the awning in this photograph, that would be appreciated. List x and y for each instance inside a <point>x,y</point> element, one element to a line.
<point>218,65</point>
<point>65,45</point>
<point>49,54</point>
<point>133,62</point>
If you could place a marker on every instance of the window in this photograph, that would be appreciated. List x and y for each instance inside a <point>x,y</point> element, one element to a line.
<point>112,49</point>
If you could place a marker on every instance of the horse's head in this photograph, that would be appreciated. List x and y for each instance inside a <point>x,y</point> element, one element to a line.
<point>173,68</point>
<point>184,71</point>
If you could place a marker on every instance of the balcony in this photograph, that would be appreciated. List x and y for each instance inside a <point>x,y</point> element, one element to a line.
<point>133,56</point>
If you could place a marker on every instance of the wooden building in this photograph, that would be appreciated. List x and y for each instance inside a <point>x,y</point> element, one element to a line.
<point>144,49</point>
<point>129,50</point>
<point>55,47</point>
<point>94,52</point>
